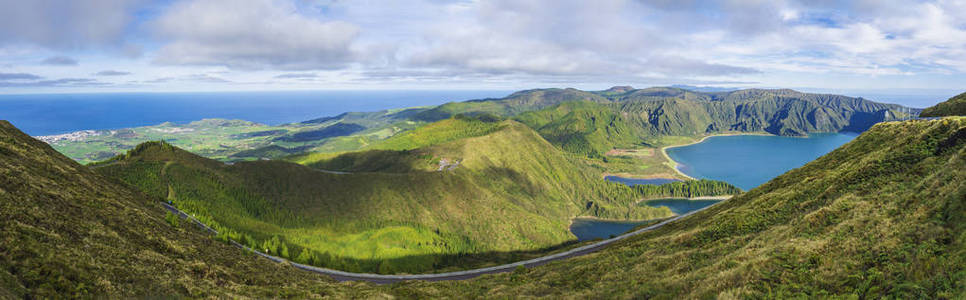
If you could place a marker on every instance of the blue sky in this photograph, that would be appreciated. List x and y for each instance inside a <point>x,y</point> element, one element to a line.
<point>212,45</point>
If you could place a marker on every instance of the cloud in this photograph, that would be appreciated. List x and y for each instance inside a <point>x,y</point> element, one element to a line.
<point>204,78</point>
<point>59,24</point>
<point>111,73</point>
<point>59,61</point>
<point>18,76</point>
<point>192,78</point>
<point>496,42</point>
<point>252,34</point>
<point>63,82</point>
<point>297,76</point>
<point>684,66</point>
<point>560,38</point>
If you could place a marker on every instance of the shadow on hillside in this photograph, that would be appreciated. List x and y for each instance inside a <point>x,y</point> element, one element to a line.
<point>438,263</point>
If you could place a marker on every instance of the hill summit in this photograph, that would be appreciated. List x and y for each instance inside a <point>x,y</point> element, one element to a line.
<point>955,106</point>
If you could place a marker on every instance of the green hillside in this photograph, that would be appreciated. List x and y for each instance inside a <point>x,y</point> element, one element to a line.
<point>621,117</point>
<point>513,104</point>
<point>479,186</point>
<point>646,118</point>
<point>880,217</point>
<point>67,232</point>
<point>955,106</point>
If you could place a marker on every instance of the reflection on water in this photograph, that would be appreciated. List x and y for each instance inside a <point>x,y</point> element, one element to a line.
<point>589,229</point>
<point>680,206</point>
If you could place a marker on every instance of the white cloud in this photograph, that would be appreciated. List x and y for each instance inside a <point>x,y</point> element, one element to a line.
<point>529,42</point>
<point>252,34</point>
<point>59,61</point>
<point>64,24</point>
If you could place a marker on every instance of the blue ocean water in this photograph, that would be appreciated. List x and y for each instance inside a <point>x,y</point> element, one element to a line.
<point>747,161</point>
<point>44,114</point>
<point>636,181</point>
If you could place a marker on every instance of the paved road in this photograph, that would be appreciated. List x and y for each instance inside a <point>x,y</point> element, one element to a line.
<point>460,275</point>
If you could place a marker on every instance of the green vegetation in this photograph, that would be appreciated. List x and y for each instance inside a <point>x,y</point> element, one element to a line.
<point>513,104</point>
<point>234,140</point>
<point>394,154</point>
<point>641,118</point>
<point>67,232</point>
<point>620,117</point>
<point>473,185</point>
<point>687,189</point>
<point>881,217</point>
<point>955,106</point>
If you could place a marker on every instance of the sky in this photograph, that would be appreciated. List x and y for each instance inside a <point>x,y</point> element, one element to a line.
<point>50,46</point>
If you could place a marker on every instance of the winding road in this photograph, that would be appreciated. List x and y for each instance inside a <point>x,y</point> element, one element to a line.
<point>459,275</point>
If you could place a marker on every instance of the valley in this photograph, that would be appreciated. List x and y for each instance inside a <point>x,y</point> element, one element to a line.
<point>457,186</point>
<point>393,209</point>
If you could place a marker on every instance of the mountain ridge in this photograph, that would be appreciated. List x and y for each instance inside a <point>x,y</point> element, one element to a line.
<point>670,111</point>
<point>954,106</point>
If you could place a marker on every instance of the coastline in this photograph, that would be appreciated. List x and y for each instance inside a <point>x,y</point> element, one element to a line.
<point>616,220</point>
<point>674,165</point>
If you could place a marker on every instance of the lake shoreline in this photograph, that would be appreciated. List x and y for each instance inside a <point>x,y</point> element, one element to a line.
<point>674,164</point>
<point>719,197</point>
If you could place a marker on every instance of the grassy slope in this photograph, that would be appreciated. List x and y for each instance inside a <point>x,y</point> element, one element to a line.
<point>395,155</point>
<point>955,106</point>
<point>66,231</point>
<point>880,216</point>
<point>511,191</point>
<point>883,215</point>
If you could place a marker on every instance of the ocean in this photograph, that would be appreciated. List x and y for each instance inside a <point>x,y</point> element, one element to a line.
<point>46,114</point>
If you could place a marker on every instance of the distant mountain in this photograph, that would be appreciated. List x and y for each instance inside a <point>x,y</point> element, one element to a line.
<point>646,116</point>
<point>642,117</point>
<point>707,89</point>
<point>955,106</point>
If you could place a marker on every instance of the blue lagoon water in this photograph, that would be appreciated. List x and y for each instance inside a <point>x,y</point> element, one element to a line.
<point>589,229</point>
<point>747,161</point>
<point>44,114</point>
<point>680,206</point>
